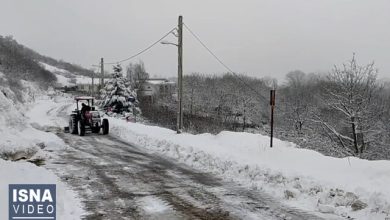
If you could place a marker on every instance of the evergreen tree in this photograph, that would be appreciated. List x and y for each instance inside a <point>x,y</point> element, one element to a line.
<point>118,96</point>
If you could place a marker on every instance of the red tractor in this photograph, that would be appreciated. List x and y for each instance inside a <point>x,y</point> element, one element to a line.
<point>87,118</point>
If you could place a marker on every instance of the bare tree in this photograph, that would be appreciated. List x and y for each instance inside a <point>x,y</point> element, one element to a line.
<point>137,74</point>
<point>296,99</point>
<point>192,94</point>
<point>349,93</point>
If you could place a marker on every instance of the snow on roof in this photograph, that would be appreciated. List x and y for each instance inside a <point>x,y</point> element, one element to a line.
<point>83,97</point>
<point>84,80</point>
<point>159,81</point>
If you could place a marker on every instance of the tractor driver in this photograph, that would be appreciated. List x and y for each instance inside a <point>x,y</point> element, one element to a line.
<point>84,108</point>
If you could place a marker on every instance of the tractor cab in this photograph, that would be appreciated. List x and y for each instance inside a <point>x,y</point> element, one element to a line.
<point>89,100</point>
<point>86,118</point>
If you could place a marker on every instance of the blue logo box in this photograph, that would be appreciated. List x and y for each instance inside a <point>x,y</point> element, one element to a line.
<point>32,201</point>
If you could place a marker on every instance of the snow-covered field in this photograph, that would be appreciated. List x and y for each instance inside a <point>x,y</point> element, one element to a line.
<point>302,178</point>
<point>20,142</point>
<point>66,78</point>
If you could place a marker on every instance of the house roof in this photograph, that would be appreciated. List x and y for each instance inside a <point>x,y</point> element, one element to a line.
<point>84,98</point>
<point>159,81</point>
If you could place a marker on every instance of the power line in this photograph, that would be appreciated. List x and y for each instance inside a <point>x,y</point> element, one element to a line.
<point>144,50</point>
<point>222,63</point>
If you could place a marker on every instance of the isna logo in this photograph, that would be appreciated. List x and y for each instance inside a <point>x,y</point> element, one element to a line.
<point>32,201</point>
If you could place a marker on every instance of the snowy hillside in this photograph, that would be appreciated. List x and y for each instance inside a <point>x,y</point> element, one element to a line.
<point>303,178</point>
<point>66,78</point>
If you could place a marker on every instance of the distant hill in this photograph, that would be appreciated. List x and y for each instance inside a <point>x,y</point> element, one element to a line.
<point>16,64</point>
<point>20,62</point>
<point>60,64</point>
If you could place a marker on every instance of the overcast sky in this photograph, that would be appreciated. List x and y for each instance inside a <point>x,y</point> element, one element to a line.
<point>256,37</point>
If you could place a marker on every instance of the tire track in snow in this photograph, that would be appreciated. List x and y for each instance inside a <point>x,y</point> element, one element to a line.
<point>113,177</point>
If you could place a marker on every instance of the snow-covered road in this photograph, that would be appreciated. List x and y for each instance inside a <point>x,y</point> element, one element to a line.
<point>120,181</point>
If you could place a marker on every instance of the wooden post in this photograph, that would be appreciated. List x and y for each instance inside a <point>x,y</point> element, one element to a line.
<point>272,103</point>
<point>180,77</point>
<point>102,73</point>
<point>93,84</point>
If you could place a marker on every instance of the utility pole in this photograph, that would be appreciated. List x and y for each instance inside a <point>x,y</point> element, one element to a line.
<point>93,86</point>
<point>272,103</point>
<point>102,73</point>
<point>180,76</point>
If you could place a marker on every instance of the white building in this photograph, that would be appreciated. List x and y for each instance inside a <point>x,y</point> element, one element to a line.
<point>156,88</point>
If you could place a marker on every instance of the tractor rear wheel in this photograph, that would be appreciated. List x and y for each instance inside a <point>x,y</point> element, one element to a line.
<point>105,126</point>
<point>73,124</point>
<point>81,128</point>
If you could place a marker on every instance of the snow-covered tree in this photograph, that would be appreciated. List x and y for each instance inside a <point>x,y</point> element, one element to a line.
<point>350,94</point>
<point>117,93</point>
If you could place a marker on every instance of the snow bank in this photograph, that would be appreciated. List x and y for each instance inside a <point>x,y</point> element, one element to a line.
<point>68,206</point>
<point>304,178</point>
<point>17,135</point>
<point>10,116</point>
<point>12,123</point>
<point>19,140</point>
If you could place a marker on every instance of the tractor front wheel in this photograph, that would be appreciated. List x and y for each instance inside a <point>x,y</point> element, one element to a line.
<point>73,124</point>
<point>81,128</point>
<point>105,126</point>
